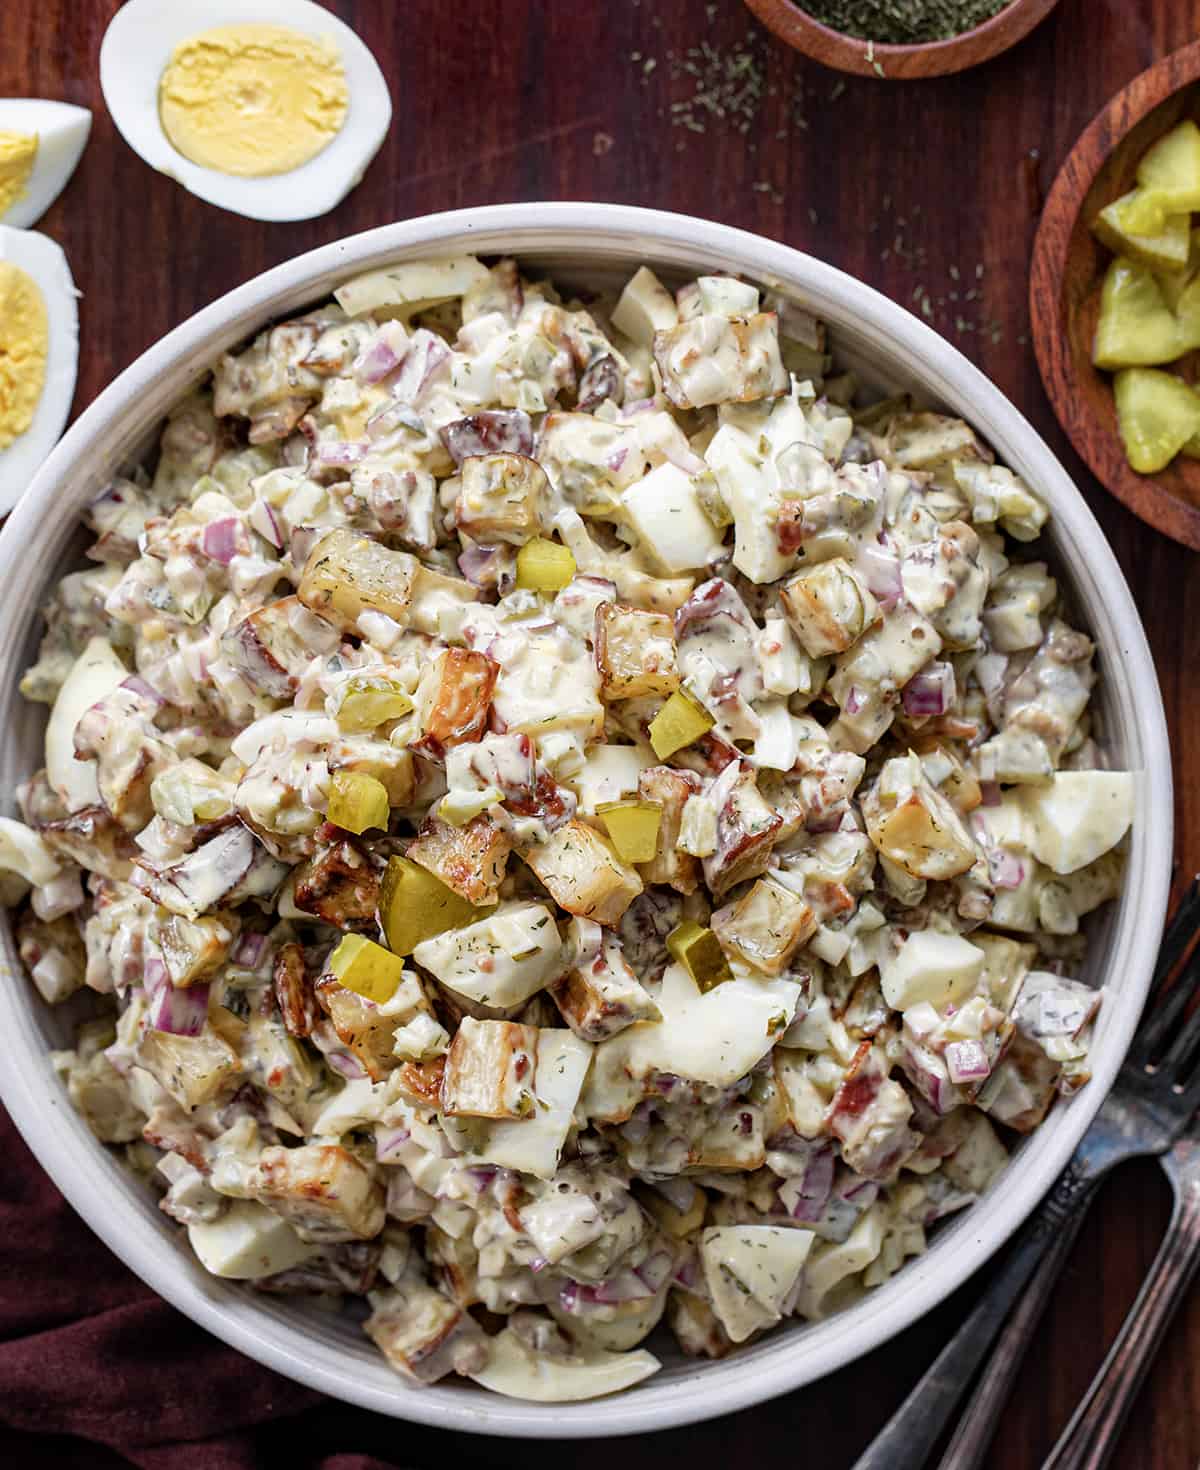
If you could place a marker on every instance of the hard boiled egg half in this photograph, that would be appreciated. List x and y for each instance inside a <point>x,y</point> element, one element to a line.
<point>39,355</point>
<point>40,144</point>
<point>237,83</point>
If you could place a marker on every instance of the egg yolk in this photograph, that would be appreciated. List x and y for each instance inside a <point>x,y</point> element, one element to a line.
<point>17,154</point>
<point>253,99</point>
<point>24,342</point>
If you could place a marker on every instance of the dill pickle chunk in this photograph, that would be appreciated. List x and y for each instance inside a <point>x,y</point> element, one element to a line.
<point>366,968</point>
<point>680,721</point>
<point>633,828</point>
<point>370,700</point>
<point>357,801</point>
<point>1136,327</point>
<point>699,951</point>
<point>414,906</point>
<point>544,566</point>
<point>1163,249</point>
<point>1157,414</point>
<point>1169,173</point>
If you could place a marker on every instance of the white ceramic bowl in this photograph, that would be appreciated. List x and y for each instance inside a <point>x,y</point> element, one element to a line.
<point>578,243</point>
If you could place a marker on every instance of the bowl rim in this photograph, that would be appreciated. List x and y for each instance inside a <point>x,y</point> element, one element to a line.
<point>90,1177</point>
<point>797,27</point>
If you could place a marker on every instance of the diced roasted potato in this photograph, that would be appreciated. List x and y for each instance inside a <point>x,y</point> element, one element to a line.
<point>913,824</point>
<point>695,1326</point>
<point>829,607</point>
<point>193,1069</point>
<point>453,698</point>
<point>671,789</point>
<point>54,955</point>
<point>423,1335</point>
<point>635,652</point>
<point>273,645</point>
<point>600,995</point>
<point>368,1033</point>
<point>471,859</point>
<point>294,991</point>
<point>716,359</point>
<point>322,1191</point>
<point>869,1115</point>
<point>583,875</point>
<point>503,498</point>
<point>490,1070</point>
<point>347,574</point>
<point>193,948</point>
<point>766,926</point>
<point>339,885</point>
<point>746,829</point>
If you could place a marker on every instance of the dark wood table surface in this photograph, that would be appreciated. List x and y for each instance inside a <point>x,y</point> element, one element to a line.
<point>929,191</point>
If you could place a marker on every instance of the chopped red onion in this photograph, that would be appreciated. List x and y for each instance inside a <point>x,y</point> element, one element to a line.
<point>990,793</point>
<point>685,460</point>
<point>220,539</point>
<point>931,692</point>
<point>138,685</point>
<point>249,950</point>
<point>881,569</point>
<point>655,1271</point>
<point>855,699</point>
<point>474,562</point>
<point>349,1067</point>
<point>382,355</point>
<point>389,1141</point>
<point>180,1012</point>
<point>616,459</point>
<point>426,360</point>
<point>1006,868</point>
<point>302,541</point>
<point>811,1194</point>
<point>340,452</point>
<point>966,1061</point>
<point>640,405</point>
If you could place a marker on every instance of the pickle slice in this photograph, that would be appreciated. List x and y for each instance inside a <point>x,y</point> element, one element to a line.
<point>366,968</point>
<point>680,721</point>
<point>699,951</point>
<point>544,566</point>
<point>414,905</point>
<point>1165,249</point>
<point>633,827</point>
<point>1136,327</point>
<point>1158,414</point>
<point>357,801</point>
<point>1170,171</point>
<point>368,700</point>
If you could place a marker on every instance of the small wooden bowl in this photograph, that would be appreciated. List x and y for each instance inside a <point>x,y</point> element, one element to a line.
<point>833,48</point>
<point>1064,290</point>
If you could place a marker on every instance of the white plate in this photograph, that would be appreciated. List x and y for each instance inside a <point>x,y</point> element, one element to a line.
<point>581,242</point>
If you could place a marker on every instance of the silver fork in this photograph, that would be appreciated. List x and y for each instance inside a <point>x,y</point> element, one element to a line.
<point>1155,1094</point>
<point>1088,1441</point>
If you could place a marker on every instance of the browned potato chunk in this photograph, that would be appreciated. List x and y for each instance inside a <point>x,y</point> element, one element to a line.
<point>454,697</point>
<point>273,645</point>
<point>671,789</point>
<point>600,995</point>
<point>423,1335</point>
<point>747,829</point>
<point>914,825</point>
<point>471,860</point>
<point>489,1070</point>
<point>295,994</point>
<point>766,926</point>
<point>193,1069</point>
<point>635,652</point>
<point>502,498</point>
<point>359,1024</point>
<point>340,885</point>
<point>348,574</point>
<point>193,948</point>
<point>583,874</point>
<point>718,359</point>
<point>322,1191</point>
<point>829,607</point>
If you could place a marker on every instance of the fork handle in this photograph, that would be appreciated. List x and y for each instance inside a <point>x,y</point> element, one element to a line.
<point>907,1439</point>
<point>976,1428</point>
<point>1090,1438</point>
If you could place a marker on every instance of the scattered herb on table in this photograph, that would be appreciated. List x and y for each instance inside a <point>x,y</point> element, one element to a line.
<point>903,22</point>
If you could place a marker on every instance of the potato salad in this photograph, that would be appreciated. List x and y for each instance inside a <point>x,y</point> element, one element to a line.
<point>562,821</point>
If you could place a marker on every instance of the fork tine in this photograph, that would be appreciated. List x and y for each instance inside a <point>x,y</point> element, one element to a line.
<point>1184,924</point>
<point>1176,1040</point>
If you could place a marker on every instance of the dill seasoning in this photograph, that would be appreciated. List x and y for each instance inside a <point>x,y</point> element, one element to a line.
<point>903,22</point>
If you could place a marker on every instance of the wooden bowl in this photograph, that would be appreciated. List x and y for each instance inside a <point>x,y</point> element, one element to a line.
<point>833,48</point>
<point>1064,290</point>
